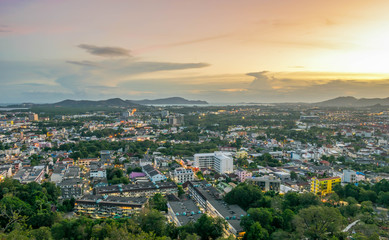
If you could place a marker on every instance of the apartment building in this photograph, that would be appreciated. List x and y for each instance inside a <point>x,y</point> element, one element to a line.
<point>143,189</point>
<point>99,206</point>
<point>181,175</point>
<point>324,186</point>
<point>221,162</point>
<point>209,199</point>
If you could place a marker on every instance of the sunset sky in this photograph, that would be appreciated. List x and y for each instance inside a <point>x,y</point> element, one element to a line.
<point>214,50</point>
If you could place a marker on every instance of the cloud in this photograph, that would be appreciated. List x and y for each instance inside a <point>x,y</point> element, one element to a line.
<point>182,43</point>
<point>276,87</point>
<point>4,28</point>
<point>132,68</point>
<point>84,63</point>
<point>105,51</point>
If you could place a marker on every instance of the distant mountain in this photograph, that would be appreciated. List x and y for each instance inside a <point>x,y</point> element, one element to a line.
<point>113,102</point>
<point>167,101</point>
<point>353,102</point>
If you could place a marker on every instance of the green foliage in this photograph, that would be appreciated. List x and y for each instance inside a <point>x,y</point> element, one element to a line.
<point>28,204</point>
<point>200,175</point>
<point>256,232</point>
<point>152,221</point>
<point>91,149</point>
<point>377,193</point>
<point>318,222</point>
<point>136,169</point>
<point>158,202</point>
<point>116,176</point>
<point>67,205</point>
<point>245,195</point>
<point>35,159</point>
<point>267,160</point>
<point>209,228</point>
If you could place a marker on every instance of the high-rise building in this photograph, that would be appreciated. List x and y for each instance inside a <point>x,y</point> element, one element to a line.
<point>219,161</point>
<point>33,117</point>
<point>176,120</point>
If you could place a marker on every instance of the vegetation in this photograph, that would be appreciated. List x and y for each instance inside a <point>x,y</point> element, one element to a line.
<point>116,176</point>
<point>297,216</point>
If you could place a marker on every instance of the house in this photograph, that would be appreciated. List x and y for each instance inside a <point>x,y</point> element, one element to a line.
<point>153,174</point>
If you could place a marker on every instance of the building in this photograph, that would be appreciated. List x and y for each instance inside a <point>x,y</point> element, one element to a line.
<point>349,176</point>
<point>99,206</point>
<point>266,183</point>
<point>324,186</point>
<point>71,188</point>
<point>283,176</point>
<point>153,174</point>
<point>243,174</point>
<point>87,161</point>
<point>183,212</point>
<point>105,155</point>
<point>181,175</point>
<point>33,117</point>
<point>221,162</point>
<point>144,189</point>
<point>98,173</point>
<point>5,171</point>
<point>209,199</point>
<point>31,174</point>
<point>176,120</point>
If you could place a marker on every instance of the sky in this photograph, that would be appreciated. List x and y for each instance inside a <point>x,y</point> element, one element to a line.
<point>221,51</point>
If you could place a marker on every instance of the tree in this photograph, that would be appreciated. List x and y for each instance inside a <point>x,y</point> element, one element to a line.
<point>293,175</point>
<point>256,232</point>
<point>12,211</point>
<point>244,195</point>
<point>159,203</point>
<point>383,198</point>
<point>209,228</point>
<point>317,222</point>
<point>42,233</point>
<point>152,221</point>
<point>263,216</point>
<point>180,191</point>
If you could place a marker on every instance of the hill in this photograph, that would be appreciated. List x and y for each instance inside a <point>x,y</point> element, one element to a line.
<point>113,102</point>
<point>353,102</point>
<point>167,101</point>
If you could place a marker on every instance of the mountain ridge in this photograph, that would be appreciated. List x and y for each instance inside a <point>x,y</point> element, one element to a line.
<point>350,101</point>
<point>112,102</point>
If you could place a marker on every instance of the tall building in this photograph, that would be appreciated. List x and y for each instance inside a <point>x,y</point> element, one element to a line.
<point>176,120</point>
<point>324,186</point>
<point>219,161</point>
<point>349,176</point>
<point>33,117</point>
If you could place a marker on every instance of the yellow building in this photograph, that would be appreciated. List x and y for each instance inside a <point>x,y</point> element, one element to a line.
<point>324,186</point>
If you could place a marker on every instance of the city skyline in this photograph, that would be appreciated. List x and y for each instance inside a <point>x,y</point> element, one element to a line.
<point>219,51</point>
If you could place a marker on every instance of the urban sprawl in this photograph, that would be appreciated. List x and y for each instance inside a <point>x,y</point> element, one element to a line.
<point>227,172</point>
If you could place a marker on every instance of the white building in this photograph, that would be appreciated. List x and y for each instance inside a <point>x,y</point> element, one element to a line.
<point>153,174</point>
<point>221,162</point>
<point>98,173</point>
<point>349,176</point>
<point>181,175</point>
